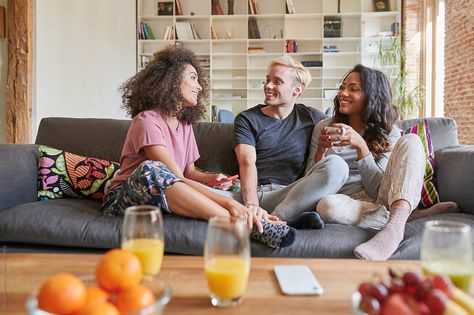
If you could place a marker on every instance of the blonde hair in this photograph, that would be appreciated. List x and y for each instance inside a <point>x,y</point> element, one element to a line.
<point>301,74</point>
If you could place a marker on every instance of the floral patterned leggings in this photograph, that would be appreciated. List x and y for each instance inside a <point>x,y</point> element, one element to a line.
<point>146,185</point>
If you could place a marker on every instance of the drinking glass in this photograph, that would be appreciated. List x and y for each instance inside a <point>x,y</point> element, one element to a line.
<point>142,234</point>
<point>227,260</point>
<point>446,248</point>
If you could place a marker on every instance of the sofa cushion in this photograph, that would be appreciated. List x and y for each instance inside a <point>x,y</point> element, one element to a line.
<point>18,170</point>
<point>429,194</point>
<point>64,222</point>
<point>62,174</point>
<point>443,130</point>
<point>456,175</point>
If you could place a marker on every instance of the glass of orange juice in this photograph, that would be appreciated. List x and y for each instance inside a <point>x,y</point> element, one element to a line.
<point>142,234</point>
<point>227,260</point>
<point>446,248</point>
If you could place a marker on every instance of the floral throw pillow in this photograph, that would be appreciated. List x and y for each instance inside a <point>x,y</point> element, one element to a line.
<point>66,175</point>
<point>429,194</point>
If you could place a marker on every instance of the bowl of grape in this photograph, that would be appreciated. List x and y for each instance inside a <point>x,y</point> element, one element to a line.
<point>411,293</point>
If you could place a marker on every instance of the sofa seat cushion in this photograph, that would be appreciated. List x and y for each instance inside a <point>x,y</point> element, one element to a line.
<point>63,222</point>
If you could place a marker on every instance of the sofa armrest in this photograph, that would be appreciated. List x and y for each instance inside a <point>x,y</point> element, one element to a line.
<point>18,174</point>
<point>455,175</point>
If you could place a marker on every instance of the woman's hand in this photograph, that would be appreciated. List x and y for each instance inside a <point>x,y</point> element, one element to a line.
<point>249,214</point>
<point>223,186</point>
<point>349,136</point>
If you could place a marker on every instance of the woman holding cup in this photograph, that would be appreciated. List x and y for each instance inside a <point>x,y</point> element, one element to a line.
<point>384,170</point>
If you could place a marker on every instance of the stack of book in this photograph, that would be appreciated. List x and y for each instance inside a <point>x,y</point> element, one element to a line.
<point>186,30</point>
<point>145,32</point>
<point>170,33</point>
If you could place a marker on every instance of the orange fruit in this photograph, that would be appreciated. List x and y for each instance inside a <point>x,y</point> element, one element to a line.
<point>134,299</point>
<point>95,295</point>
<point>99,309</point>
<point>62,294</point>
<point>117,270</point>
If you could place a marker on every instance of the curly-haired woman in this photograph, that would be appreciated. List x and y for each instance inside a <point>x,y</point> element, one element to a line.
<point>384,173</point>
<point>157,162</point>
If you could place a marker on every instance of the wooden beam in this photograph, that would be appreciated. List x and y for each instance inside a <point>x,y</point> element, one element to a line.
<point>19,74</point>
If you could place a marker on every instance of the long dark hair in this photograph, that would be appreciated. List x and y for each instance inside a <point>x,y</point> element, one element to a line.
<point>158,86</point>
<point>379,114</point>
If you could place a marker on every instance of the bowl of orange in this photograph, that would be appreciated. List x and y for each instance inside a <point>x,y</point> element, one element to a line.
<point>116,288</point>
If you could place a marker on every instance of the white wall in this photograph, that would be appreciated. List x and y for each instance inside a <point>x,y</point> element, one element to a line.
<point>84,50</point>
<point>3,81</point>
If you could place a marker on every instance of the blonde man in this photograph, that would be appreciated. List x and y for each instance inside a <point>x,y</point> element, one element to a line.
<point>271,144</point>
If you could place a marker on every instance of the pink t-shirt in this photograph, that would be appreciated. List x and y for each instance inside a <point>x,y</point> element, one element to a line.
<point>150,128</point>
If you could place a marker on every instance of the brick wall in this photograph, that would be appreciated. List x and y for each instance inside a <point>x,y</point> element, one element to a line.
<point>412,10</point>
<point>459,67</point>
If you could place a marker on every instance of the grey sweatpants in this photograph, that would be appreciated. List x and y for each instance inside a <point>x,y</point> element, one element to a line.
<point>288,202</point>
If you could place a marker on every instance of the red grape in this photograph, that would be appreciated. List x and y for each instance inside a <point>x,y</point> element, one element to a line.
<point>443,283</point>
<point>364,288</point>
<point>422,289</point>
<point>436,301</point>
<point>378,291</point>
<point>396,286</point>
<point>369,305</point>
<point>411,279</point>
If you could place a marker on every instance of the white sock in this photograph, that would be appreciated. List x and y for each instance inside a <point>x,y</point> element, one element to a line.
<point>343,209</point>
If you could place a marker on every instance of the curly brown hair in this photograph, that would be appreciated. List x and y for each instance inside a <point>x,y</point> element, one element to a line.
<point>158,86</point>
<point>379,114</point>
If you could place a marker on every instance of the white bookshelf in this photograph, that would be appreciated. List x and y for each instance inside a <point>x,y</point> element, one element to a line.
<point>236,74</point>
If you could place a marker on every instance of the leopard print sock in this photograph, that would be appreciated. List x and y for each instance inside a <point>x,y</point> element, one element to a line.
<point>274,235</point>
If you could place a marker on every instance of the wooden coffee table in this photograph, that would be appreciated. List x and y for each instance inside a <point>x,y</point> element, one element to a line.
<point>338,277</point>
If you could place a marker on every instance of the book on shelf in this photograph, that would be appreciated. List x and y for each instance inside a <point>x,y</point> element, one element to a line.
<point>214,33</point>
<point>330,48</point>
<point>195,32</point>
<point>253,6</point>
<point>290,7</point>
<point>169,33</point>
<point>164,8</point>
<point>144,60</point>
<point>256,49</point>
<point>145,32</point>
<point>312,63</point>
<point>254,32</point>
<point>217,8</point>
<point>291,46</point>
<point>179,8</point>
<point>332,26</point>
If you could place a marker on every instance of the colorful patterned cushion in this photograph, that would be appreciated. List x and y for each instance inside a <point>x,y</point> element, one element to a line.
<point>66,175</point>
<point>429,194</point>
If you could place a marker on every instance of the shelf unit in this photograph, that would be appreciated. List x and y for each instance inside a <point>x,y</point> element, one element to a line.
<point>237,74</point>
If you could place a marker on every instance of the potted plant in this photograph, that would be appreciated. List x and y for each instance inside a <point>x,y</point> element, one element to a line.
<point>392,59</point>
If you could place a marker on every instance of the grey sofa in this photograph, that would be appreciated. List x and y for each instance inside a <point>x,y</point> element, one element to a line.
<point>77,224</point>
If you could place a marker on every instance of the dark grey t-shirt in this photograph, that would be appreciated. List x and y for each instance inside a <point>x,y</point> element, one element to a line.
<point>281,145</point>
